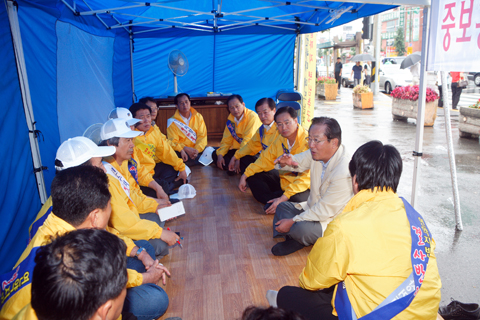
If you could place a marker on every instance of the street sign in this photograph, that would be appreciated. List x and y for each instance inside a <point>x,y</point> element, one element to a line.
<point>327,44</point>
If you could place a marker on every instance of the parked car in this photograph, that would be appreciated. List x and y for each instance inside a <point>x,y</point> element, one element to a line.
<point>391,76</point>
<point>475,77</point>
<point>346,71</point>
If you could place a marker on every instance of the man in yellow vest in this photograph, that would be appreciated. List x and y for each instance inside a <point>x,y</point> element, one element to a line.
<point>269,186</point>
<point>186,130</point>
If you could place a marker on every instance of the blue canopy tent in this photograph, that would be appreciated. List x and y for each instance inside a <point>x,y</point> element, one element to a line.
<point>81,58</point>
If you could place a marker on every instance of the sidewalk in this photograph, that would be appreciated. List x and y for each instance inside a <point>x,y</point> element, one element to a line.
<point>458,253</point>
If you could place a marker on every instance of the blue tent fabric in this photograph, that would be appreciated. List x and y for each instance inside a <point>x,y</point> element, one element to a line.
<point>19,196</point>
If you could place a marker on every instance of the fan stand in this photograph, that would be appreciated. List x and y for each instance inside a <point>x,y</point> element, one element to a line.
<point>175,87</point>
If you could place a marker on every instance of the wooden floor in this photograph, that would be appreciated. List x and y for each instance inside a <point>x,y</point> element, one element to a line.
<point>226,263</point>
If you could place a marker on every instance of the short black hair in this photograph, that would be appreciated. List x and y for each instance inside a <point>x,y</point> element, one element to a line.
<point>234,96</point>
<point>287,109</point>
<point>59,164</point>
<point>270,313</point>
<point>144,100</point>
<point>77,191</point>
<point>137,107</point>
<point>376,165</point>
<point>332,129</point>
<point>77,273</point>
<point>338,58</point>
<point>178,96</point>
<point>270,101</point>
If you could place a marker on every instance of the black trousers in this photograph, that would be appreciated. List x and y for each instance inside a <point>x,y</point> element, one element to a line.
<point>166,186</point>
<point>456,92</point>
<point>246,161</point>
<point>312,305</point>
<point>440,99</point>
<point>165,176</point>
<point>227,159</point>
<point>338,78</point>
<point>190,162</point>
<point>265,186</point>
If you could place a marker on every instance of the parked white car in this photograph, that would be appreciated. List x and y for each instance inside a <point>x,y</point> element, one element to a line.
<point>391,76</point>
<point>346,71</point>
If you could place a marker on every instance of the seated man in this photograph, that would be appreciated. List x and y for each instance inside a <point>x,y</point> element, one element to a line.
<point>330,188</point>
<point>240,128</point>
<point>186,130</point>
<point>378,253</point>
<point>81,200</point>
<point>268,185</point>
<point>133,214</point>
<point>262,139</point>
<point>78,262</point>
<point>149,186</point>
<point>78,151</point>
<point>156,153</point>
<point>149,101</point>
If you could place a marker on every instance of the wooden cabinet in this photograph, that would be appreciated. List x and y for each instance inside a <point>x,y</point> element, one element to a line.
<point>213,109</point>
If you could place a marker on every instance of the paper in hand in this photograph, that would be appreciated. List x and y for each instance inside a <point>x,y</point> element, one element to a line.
<point>173,211</point>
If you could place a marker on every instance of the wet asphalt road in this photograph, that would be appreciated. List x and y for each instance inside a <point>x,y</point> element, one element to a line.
<point>458,253</point>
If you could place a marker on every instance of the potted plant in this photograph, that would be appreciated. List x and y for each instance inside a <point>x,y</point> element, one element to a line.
<point>327,87</point>
<point>469,121</point>
<point>405,104</point>
<point>362,97</point>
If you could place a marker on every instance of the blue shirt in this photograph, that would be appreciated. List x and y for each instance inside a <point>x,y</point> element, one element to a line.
<point>357,72</point>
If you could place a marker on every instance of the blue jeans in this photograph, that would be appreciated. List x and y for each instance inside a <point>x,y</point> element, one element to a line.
<point>147,301</point>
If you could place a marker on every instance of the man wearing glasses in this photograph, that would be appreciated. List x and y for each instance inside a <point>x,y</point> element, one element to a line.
<point>272,187</point>
<point>330,188</point>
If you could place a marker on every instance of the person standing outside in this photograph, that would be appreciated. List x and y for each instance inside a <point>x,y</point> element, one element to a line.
<point>338,72</point>
<point>456,90</point>
<point>357,73</point>
<point>368,71</point>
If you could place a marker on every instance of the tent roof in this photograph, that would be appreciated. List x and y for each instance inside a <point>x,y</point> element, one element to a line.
<point>201,17</point>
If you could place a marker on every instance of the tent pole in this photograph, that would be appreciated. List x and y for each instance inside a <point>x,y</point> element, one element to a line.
<point>27,102</point>
<point>131,66</point>
<point>377,28</point>
<point>451,154</point>
<point>417,153</point>
<point>299,46</point>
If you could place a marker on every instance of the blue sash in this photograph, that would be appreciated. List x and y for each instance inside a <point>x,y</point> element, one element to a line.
<point>37,224</point>
<point>18,278</point>
<point>401,298</point>
<point>132,167</point>
<point>285,149</point>
<point>231,128</point>
<point>261,131</point>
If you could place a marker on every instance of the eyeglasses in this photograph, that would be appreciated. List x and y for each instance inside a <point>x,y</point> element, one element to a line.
<point>314,141</point>
<point>285,124</point>
<point>147,116</point>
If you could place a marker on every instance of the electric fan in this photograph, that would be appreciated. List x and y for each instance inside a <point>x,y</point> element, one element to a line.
<point>93,133</point>
<point>178,64</point>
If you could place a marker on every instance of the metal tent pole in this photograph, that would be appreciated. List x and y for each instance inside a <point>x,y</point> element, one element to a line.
<point>417,153</point>
<point>131,66</point>
<point>27,102</point>
<point>451,154</point>
<point>299,51</point>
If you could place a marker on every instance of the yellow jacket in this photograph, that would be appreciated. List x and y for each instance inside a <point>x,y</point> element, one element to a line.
<point>370,243</point>
<point>144,174</point>
<point>125,210</point>
<point>291,183</point>
<point>52,227</point>
<point>155,148</point>
<point>254,145</point>
<point>27,313</point>
<point>245,130</point>
<point>177,137</point>
<point>46,206</point>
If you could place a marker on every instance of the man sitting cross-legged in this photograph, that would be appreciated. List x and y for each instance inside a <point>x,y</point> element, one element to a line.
<point>376,258</point>
<point>133,214</point>
<point>330,188</point>
<point>261,140</point>
<point>156,153</point>
<point>81,200</point>
<point>186,130</point>
<point>269,186</point>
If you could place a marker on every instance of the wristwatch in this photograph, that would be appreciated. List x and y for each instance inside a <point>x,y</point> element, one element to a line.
<point>140,250</point>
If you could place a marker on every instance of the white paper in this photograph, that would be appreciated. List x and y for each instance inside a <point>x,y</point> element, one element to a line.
<point>173,211</point>
<point>206,157</point>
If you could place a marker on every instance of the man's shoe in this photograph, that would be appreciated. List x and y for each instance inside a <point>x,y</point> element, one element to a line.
<point>286,247</point>
<point>458,310</point>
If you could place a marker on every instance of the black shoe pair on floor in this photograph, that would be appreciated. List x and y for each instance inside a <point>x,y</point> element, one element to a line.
<point>461,311</point>
<point>286,247</point>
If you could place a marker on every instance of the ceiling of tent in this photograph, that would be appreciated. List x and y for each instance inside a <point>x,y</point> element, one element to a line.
<point>202,17</point>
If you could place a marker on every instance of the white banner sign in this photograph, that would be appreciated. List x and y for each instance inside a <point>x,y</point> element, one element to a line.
<point>454,43</point>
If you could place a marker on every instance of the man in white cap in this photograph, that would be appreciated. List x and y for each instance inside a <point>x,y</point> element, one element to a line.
<point>151,187</point>
<point>133,214</point>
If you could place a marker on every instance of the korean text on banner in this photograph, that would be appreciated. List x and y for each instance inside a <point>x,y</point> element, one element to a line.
<point>307,83</point>
<point>454,36</point>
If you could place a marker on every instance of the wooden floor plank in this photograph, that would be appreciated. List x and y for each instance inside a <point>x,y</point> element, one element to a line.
<point>226,262</point>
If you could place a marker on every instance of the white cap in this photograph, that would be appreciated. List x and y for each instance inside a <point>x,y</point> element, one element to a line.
<point>117,128</point>
<point>186,191</point>
<point>78,150</point>
<point>122,113</point>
